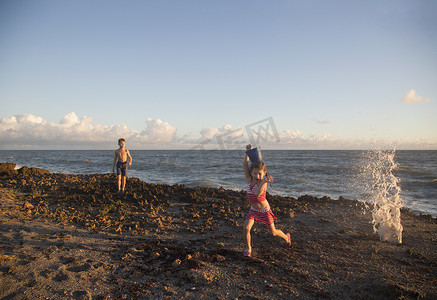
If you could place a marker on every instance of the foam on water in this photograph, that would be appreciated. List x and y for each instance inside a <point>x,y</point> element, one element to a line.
<point>383,190</point>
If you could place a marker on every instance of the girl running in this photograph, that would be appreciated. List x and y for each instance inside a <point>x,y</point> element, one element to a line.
<point>259,207</point>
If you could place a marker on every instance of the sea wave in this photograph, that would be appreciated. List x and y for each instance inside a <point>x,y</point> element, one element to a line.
<point>317,173</point>
<point>207,183</point>
<point>409,170</point>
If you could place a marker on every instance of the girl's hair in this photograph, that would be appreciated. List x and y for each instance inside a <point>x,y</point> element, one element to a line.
<point>258,165</point>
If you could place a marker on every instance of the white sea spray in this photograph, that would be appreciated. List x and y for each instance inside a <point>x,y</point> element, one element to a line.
<point>383,191</point>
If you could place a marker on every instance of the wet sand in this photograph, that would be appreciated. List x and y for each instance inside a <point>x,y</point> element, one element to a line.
<point>73,237</point>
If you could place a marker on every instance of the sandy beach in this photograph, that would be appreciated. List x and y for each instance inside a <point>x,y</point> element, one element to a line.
<point>74,237</point>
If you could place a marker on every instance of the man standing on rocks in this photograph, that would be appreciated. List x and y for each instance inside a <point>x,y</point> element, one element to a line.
<point>121,155</point>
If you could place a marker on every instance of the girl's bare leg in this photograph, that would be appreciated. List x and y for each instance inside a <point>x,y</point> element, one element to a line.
<point>246,232</point>
<point>276,232</point>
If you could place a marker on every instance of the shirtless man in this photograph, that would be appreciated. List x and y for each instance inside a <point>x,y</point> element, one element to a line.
<point>121,155</point>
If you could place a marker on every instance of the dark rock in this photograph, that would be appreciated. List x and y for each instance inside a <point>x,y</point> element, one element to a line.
<point>7,169</point>
<point>306,198</point>
<point>27,172</point>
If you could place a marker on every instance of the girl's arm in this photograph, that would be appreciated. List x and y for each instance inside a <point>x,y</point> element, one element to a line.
<point>246,165</point>
<point>262,188</point>
<point>246,168</point>
<point>263,184</point>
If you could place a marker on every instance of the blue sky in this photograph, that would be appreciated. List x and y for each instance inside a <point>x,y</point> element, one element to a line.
<point>178,74</point>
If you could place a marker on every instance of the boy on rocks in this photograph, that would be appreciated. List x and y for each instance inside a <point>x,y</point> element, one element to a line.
<point>120,157</point>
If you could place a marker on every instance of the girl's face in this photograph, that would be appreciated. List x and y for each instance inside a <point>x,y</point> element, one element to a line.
<point>258,174</point>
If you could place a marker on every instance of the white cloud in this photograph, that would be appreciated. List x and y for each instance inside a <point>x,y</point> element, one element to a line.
<point>225,138</point>
<point>76,132</point>
<point>214,133</point>
<point>296,140</point>
<point>291,135</point>
<point>158,131</point>
<point>70,119</point>
<point>33,132</point>
<point>209,133</point>
<point>411,97</point>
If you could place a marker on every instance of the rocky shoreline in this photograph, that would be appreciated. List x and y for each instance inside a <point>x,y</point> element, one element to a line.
<point>73,237</point>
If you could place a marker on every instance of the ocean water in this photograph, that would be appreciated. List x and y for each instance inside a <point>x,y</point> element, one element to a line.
<point>295,173</point>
